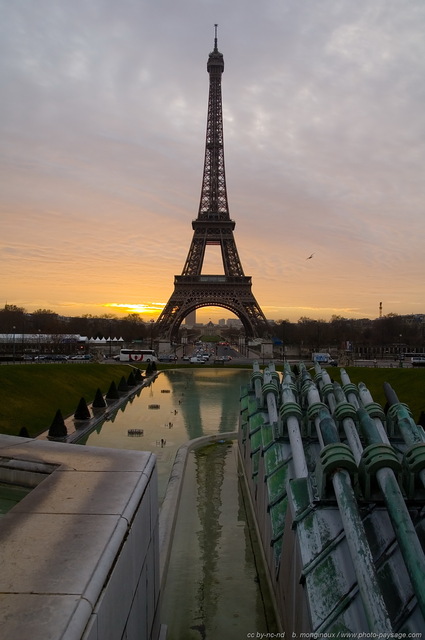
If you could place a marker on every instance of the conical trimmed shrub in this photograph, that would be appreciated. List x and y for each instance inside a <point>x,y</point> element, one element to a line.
<point>23,433</point>
<point>131,380</point>
<point>122,385</point>
<point>112,392</point>
<point>138,376</point>
<point>58,427</point>
<point>82,411</point>
<point>99,400</point>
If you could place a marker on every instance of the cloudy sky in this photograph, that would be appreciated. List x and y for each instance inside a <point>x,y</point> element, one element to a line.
<point>102,131</point>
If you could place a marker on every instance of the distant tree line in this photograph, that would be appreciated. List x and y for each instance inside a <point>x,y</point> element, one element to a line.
<point>15,319</point>
<point>389,330</point>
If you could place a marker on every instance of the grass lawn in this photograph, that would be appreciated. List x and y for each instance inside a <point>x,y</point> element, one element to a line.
<point>409,385</point>
<point>31,394</point>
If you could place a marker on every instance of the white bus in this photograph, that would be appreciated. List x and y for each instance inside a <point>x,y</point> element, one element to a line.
<point>418,361</point>
<point>138,355</point>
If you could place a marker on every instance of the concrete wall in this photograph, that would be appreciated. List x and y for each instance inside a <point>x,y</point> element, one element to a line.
<point>79,554</point>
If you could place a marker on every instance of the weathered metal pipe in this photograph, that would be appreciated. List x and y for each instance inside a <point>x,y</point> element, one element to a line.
<point>345,411</point>
<point>368,427</point>
<point>407,538</point>
<point>390,394</point>
<point>257,376</point>
<point>339,393</point>
<point>374,410</point>
<point>294,433</point>
<point>287,371</point>
<point>409,430</point>
<point>328,389</point>
<point>313,399</point>
<point>375,608</point>
<point>270,391</point>
<point>413,435</point>
<point>328,428</point>
<point>305,375</point>
<point>287,379</point>
<point>324,383</point>
<point>313,394</point>
<point>350,389</point>
<point>410,546</point>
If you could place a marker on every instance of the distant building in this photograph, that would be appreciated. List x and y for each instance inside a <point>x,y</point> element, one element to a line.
<point>234,322</point>
<point>210,328</point>
<point>190,319</point>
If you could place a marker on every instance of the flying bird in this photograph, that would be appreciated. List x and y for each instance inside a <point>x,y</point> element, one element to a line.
<point>310,257</point>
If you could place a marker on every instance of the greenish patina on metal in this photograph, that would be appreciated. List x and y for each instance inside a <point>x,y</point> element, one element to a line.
<point>332,474</point>
<point>277,518</point>
<point>380,461</point>
<point>274,457</point>
<point>267,436</point>
<point>276,485</point>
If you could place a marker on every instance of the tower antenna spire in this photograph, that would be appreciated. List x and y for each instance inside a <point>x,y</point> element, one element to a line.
<point>215,37</point>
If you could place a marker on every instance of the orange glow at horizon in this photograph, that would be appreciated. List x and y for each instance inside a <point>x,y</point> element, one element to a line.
<point>150,309</point>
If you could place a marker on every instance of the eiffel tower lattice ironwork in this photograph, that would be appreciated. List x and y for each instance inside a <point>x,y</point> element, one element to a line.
<point>213,226</point>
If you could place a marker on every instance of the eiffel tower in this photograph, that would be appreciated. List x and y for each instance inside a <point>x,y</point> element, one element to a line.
<point>213,226</point>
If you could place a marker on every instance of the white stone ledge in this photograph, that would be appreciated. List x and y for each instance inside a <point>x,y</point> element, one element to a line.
<point>60,545</point>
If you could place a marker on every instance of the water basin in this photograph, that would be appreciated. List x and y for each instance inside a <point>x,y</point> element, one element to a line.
<point>216,586</point>
<point>189,403</point>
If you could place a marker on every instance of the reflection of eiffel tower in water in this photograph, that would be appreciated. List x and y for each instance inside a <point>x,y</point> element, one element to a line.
<point>210,390</point>
<point>213,226</point>
<point>210,467</point>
